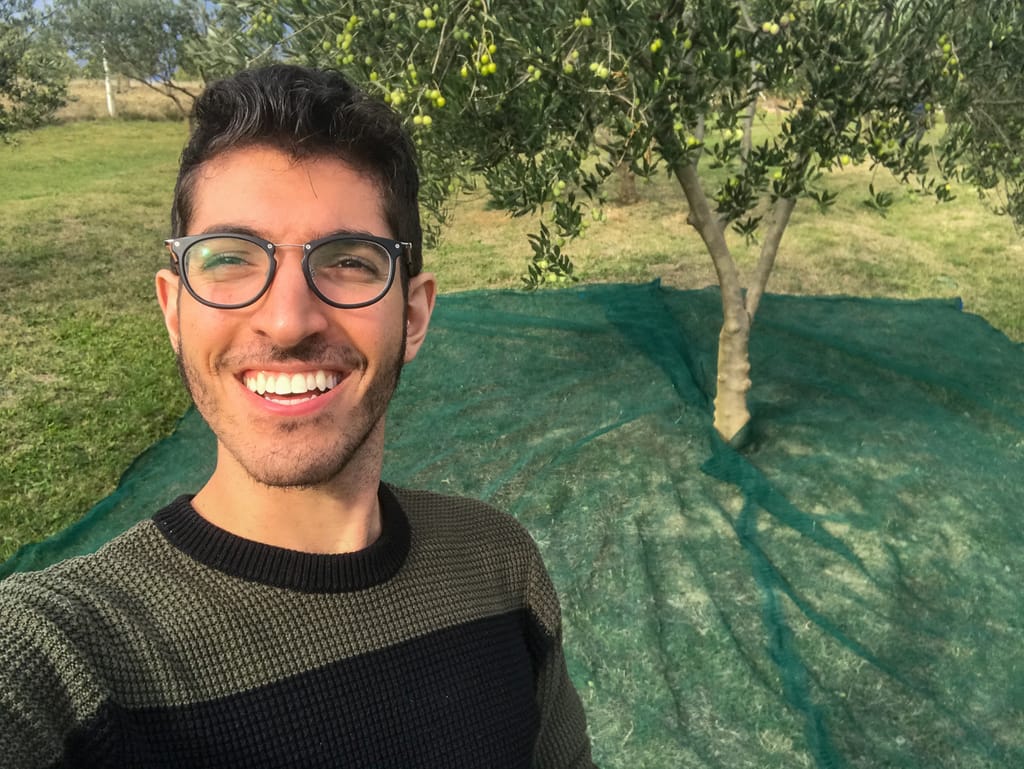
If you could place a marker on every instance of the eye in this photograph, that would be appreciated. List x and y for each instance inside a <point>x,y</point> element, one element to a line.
<point>225,259</point>
<point>211,260</point>
<point>350,260</point>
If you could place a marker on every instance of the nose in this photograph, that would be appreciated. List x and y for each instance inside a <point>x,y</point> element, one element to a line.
<point>289,312</point>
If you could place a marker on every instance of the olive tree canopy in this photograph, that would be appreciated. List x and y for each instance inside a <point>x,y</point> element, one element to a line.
<point>33,68</point>
<point>543,100</point>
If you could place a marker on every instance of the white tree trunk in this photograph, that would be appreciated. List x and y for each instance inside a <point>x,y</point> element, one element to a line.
<point>111,107</point>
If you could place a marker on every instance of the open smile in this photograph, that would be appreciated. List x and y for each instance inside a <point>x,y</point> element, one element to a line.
<point>291,388</point>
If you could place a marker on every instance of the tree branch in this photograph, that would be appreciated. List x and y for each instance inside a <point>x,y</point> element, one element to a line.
<point>769,249</point>
<point>165,88</point>
<point>706,222</point>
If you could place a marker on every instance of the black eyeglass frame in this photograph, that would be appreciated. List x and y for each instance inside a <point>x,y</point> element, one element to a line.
<point>393,248</point>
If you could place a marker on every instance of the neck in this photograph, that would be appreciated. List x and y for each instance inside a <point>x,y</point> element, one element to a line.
<point>339,516</point>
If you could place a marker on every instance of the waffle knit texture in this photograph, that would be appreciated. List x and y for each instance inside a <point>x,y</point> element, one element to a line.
<point>180,645</point>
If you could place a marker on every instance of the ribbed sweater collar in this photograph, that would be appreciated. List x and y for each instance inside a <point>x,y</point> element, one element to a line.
<point>278,567</point>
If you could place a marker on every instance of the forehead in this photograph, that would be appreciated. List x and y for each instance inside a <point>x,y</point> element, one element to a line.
<point>285,198</point>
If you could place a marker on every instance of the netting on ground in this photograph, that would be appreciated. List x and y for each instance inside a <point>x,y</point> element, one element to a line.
<point>845,592</point>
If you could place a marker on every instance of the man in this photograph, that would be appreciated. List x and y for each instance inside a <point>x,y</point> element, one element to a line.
<point>295,612</point>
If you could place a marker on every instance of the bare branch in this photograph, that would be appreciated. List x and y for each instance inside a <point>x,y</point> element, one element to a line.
<point>782,210</point>
<point>705,221</point>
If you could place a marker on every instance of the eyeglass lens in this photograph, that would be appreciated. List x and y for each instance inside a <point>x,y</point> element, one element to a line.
<point>233,271</point>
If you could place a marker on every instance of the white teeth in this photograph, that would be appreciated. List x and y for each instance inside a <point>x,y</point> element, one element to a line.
<point>291,401</point>
<point>267,383</point>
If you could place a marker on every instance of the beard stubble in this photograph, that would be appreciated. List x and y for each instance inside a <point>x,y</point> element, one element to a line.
<point>292,466</point>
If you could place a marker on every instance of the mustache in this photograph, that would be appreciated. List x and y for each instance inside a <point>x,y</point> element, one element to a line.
<point>317,353</point>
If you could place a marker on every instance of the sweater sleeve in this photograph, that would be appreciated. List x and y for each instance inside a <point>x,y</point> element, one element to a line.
<point>39,701</point>
<point>563,742</point>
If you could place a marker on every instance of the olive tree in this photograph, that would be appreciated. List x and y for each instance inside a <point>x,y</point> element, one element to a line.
<point>985,141</point>
<point>543,100</point>
<point>33,68</point>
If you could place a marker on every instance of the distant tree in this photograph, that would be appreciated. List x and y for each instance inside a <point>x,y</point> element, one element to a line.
<point>144,40</point>
<point>985,113</point>
<point>543,100</point>
<point>33,69</point>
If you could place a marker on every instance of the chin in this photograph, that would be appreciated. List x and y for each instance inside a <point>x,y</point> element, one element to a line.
<point>303,452</point>
<point>299,478</point>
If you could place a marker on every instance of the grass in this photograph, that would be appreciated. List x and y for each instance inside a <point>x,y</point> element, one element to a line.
<point>918,249</point>
<point>88,380</point>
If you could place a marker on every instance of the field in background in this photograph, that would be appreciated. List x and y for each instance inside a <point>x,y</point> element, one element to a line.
<point>87,100</point>
<point>88,380</point>
<point>920,249</point>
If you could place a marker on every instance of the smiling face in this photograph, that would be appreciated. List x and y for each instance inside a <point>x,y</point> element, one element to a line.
<point>295,390</point>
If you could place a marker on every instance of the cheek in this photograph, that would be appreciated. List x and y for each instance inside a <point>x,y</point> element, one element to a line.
<point>379,327</point>
<point>376,342</point>
<point>203,331</point>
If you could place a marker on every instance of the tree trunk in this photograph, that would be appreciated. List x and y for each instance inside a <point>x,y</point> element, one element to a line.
<point>748,129</point>
<point>111,107</point>
<point>733,380</point>
<point>627,194</point>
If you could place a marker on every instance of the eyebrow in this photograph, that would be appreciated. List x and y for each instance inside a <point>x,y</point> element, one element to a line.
<point>239,229</point>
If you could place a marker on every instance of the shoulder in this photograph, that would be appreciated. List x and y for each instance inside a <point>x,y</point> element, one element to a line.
<point>462,519</point>
<point>74,589</point>
<point>476,544</point>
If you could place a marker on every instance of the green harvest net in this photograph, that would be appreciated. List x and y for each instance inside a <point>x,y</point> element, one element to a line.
<point>845,592</point>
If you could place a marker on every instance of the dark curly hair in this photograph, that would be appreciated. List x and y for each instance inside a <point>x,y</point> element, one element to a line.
<point>307,113</point>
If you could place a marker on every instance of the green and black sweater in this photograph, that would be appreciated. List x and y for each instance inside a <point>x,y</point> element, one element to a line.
<point>180,645</point>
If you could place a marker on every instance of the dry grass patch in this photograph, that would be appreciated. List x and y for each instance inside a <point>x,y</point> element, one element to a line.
<point>87,100</point>
<point>918,249</point>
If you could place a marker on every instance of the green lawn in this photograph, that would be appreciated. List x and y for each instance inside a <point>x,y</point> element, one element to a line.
<point>88,379</point>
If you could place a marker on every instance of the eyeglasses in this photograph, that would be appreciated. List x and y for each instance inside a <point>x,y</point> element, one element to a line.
<point>230,271</point>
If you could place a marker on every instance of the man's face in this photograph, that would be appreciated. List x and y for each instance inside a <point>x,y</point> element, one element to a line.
<point>347,360</point>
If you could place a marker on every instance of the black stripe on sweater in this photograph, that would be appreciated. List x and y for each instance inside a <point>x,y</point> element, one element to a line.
<point>459,697</point>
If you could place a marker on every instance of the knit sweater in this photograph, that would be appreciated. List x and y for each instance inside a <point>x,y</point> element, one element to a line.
<point>181,645</point>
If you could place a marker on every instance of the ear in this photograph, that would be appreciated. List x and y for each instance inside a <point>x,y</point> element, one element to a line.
<point>168,286</point>
<point>422,293</point>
